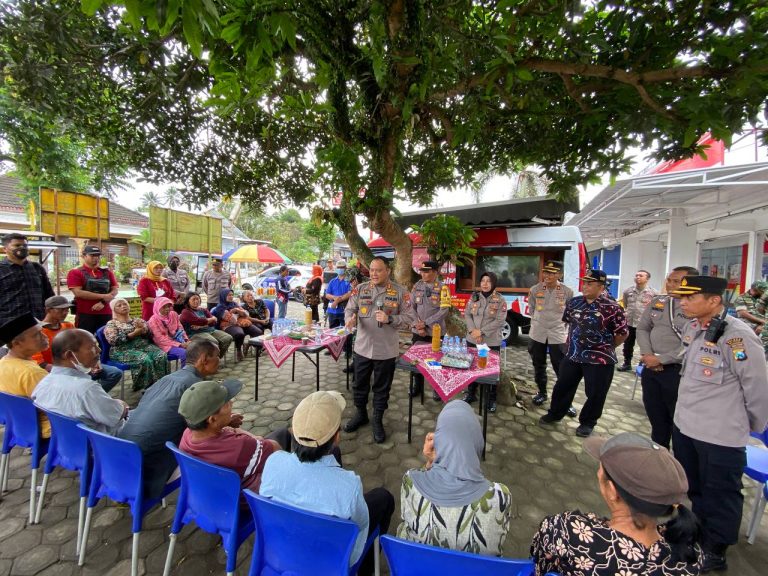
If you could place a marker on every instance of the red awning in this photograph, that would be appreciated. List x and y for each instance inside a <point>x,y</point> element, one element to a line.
<point>381,243</point>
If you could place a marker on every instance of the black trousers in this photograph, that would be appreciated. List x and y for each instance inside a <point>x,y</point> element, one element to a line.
<point>381,506</point>
<point>538,352</point>
<point>597,382</point>
<point>492,390</point>
<point>92,322</point>
<point>418,379</point>
<point>629,345</point>
<point>659,399</point>
<point>714,487</point>
<point>383,372</point>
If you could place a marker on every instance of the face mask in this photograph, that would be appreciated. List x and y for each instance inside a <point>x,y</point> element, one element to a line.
<point>173,266</point>
<point>21,253</point>
<point>79,367</point>
<point>340,271</point>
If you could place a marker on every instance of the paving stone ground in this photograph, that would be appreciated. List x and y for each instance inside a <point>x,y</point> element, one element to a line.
<point>546,470</point>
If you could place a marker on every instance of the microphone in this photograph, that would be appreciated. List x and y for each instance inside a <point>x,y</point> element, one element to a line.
<point>379,306</point>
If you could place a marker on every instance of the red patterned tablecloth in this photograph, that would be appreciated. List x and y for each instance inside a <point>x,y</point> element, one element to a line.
<point>281,348</point>
<point>449,381</point>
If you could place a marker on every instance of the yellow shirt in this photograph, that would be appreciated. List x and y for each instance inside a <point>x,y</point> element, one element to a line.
<point>20,377</point>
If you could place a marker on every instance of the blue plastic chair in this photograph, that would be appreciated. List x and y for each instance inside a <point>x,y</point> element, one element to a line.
<point>757,469</point>
<point>290,541</point>
<point>106,360</point>
<point>210,497</point>
<point>270,304</point>
<point>117,473</point>
<point>406,558</point>
<point>68,449</point>
<point>21,429</point>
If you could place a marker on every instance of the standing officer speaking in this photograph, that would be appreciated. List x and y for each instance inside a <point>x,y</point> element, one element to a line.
<point>428,310</point>
<point>659,334</point>
<point>723,396</point>
<point>546,303</point>
<point>378,308</point>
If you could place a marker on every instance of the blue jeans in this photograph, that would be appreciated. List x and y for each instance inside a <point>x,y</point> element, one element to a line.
<point>282,308</point>
<point>109,377</point>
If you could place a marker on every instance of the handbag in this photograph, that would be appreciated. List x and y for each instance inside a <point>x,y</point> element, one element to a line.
<point>244,322</point>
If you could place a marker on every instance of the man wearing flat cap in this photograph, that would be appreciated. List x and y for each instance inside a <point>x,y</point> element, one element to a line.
<point>429,311</point>
<point>19,373</point>
<point>596,326</point>
<point>312,479</point>
<point>213,432</point>
<point>546,304</point>
<point>723,396</point>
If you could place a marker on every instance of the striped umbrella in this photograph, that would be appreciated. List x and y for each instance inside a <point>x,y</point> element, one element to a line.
<point>257,253</point>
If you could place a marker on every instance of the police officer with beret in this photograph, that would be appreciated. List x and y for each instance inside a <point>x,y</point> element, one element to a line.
<point>379,309</point>
<point>546,303</point>
<point>723,396</point>
<point>659,334</point>
<point>428,310</point>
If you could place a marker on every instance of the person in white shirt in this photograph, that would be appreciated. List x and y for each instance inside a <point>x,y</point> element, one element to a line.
<point>69,390</point>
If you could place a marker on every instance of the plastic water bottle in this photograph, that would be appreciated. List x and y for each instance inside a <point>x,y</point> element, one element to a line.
<point>463,345</point>
<point>456,345</point>
<point>444,348</point>
<point>318,336</point>
<point>504,352</point>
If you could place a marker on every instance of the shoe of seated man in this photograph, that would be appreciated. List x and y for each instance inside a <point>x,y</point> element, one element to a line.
<point>492,406</point>
<point>469,398</point>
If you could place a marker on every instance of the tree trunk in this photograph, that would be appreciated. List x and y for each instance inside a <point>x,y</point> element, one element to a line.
<point>385,225</point>
<point>345,219</point>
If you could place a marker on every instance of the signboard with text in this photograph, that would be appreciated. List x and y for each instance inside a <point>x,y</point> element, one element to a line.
<point>74,214</point>
<point>175,230</point>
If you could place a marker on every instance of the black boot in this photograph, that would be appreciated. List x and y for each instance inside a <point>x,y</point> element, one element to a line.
<point>359,419</point>
<point>378,427</point>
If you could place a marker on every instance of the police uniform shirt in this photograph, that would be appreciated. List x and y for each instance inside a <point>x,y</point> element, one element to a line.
<point>724,385</point>
<point>179,280</point>
<point>660,330</point>
<point>635,302</point>
<point>425,302</point>
<point>487,315</point>
<point>372,341</point>
<point>546,309</point>
<point>214,282</point>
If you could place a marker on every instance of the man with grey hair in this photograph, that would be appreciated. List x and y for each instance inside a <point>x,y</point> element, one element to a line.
<point>69,389</point>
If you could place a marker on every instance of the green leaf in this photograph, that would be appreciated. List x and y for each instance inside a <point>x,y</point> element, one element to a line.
<point>90,7</point>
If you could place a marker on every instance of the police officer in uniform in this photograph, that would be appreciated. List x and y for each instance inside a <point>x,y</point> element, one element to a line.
<point>659,334</point>
<point>485,314</point>
<point>723,396</point>
<point>378,308</point>
<point>546,303</point>
<point>428,311</point>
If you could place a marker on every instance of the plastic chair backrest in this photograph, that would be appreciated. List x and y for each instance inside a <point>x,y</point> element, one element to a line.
<point>209,494</point>
<point>293,541</point>
<point>22,428</point>
<point>763,436</point>
<point>68,447</point>
<point>270,304</point>
<point>117,472</point>
<point>407,558</point>
<point>103,344</point>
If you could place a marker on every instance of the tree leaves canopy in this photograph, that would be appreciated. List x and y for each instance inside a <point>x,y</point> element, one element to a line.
<point>287,100</point>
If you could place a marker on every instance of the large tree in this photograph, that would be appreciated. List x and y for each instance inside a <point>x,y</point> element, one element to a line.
<point>293,101</point>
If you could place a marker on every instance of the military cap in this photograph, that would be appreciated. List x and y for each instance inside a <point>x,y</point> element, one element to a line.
<point>701,285</point>
<point>595,276</point>
<point>553,266</point>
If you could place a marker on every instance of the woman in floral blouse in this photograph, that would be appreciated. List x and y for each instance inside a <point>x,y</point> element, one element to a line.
<point>639,481</point>
<point>257,310</point>
<point>449,503</point>
<point>129,344</point>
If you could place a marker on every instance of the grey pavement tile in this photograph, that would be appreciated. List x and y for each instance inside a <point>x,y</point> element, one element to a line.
<point>34,560</point>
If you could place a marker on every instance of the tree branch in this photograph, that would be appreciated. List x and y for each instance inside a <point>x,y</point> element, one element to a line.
<point>574,92</point>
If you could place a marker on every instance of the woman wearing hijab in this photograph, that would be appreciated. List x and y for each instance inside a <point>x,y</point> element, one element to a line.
<point>234,320</point>
<point>129,344</point>
<point>449,503</point>
<point>199,323</point>
<point>312,292</point>
<point>485,314</point>
<point>153,286</point>
<point>166,329</point>
<point>640,481</point>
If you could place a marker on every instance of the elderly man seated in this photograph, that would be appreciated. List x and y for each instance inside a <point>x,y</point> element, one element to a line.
<point>56,310</point>
<point>212,432</point>
<point>19,373</point>
<point>156,420</point>
<point>311,478</point>
<point>69,389</point>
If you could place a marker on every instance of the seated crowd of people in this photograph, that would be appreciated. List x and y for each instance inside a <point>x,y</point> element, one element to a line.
<point>448,502</point>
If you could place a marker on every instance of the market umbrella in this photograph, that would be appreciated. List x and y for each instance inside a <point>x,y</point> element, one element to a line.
<point>257,253</point>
